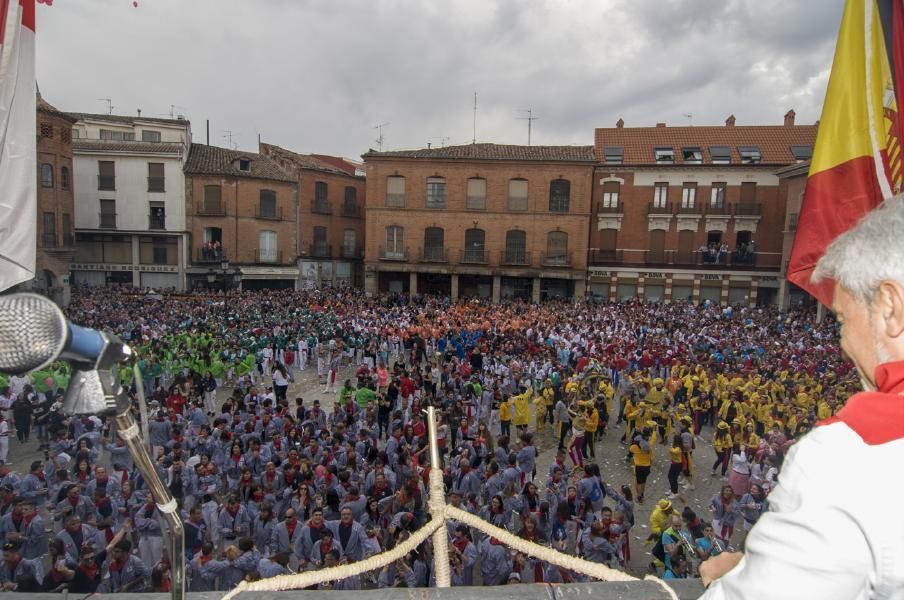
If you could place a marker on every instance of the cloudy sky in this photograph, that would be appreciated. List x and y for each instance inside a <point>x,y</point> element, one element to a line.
<point>319,75</point>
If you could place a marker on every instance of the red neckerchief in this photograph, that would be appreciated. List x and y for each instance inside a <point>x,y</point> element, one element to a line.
<point>270,476</point>
<point>117,566</point>
<point>290,527</point>
<point>205,558</point>
<point>325,547</point>
<point>108,534</point>
<point>125,475</point>
<point>101,501</point>
<point>73,501</point>
<point>877,417</point>
<point>39,475</point>
<point>90,572</point>
<point>461,544</point>
<point>495,542</point>
<point>232,511</point>
<point>82,476</point>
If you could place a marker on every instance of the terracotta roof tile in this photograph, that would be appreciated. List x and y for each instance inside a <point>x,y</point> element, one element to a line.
<point>290,161</point>
<point>494,152</point>
<point>212,160</point>
<point>773,141</point>
<point>111,146</point>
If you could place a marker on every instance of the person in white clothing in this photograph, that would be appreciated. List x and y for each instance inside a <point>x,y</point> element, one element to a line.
<point>4,438</point>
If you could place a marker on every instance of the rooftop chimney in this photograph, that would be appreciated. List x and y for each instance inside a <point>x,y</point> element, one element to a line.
<point>660,124</point>
<point>789,118</point>
<point>139,111</point>
<point>730,121</point>
<point>620,123</point>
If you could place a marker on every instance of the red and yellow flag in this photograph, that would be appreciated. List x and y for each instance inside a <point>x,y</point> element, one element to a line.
<point>857,162</point>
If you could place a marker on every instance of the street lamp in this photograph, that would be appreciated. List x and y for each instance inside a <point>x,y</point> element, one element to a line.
<point>229,279</point>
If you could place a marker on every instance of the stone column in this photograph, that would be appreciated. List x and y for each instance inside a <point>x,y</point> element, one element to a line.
<point>754,286</point>
<point>580,289</point>
<point>497,288</point>
<point>454,287</point>
<point>695,292</point>
<point>136,260</point>
<point>784,295</point>
<point>412,283</point>
<point>535,290</point>
<point>724,297</point>
<point>371,282</point>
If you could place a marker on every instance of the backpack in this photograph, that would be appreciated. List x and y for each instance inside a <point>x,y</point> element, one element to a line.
<point>596,494</point>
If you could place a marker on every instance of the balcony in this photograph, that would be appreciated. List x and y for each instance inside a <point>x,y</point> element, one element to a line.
<point>694,209</point>
<point>48,240</point>
<point>683,257</point>
<point>434,255</point>
<point>398,254</point>
<point>747,209</point>
<point>655,257</point>
<point>720,210</point>
<point>322,207</point>
<point>157,184</point>
<point>107,220</point>
<point>475,256</point>
<point>557,260</point>
<point>617,208</point>
<point>156,221</point>
<point>211,209</point>
<point>606,257</point>
<point>351,252</point>
<point>267,256</point>
<point>515,257</point>
<point>320,250</point>
<point>106,183</point>
<point>351,210</point>
<point>656,209</point>
<point>269,214</point>
<point>206,255</point>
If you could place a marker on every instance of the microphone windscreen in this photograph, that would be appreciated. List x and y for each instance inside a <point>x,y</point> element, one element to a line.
<point>33,332</point>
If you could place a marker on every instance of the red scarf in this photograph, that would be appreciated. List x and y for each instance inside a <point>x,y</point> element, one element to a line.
<point>205,558</point>
<point>90,572</point>
<point>117,566</point>
<point>461,544</point>
<point>233,511</point>
<point>290,527</point>
<point>39,474</point>
<point>877,417</point>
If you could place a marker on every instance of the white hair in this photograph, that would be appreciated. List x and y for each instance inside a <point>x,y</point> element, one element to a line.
<point>869,253</point>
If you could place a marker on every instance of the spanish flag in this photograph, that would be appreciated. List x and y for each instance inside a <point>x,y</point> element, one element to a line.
<point>857,162</point>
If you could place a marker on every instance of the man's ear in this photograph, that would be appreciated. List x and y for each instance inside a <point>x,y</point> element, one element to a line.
<point>890,305</point>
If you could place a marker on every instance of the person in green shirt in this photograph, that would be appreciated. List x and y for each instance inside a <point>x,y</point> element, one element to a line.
<point>365,395</point>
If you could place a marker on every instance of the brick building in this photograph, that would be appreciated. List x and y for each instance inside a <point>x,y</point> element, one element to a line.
<point>331,216</point>
<point>487,220</point>
<point>692,213</point>
<point>56,208</point>
<point>242,207</point>
<point>794,180</point>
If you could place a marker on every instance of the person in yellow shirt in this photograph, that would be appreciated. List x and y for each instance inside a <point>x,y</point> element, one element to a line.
<point>631,413</point>
<point>722,444</point>
<point>641,450</point>
<point>521,409</point>
<point>592,424</point>
<point>676,459</point>
<point>540,409</point>
<point>549,398</point>
<point>505,416</point>
<point>751,439</point>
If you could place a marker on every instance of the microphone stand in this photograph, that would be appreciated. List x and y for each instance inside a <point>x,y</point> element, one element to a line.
<point>95,389</point>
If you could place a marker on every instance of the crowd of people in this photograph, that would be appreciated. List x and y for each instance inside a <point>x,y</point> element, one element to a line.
<point>271,483</point>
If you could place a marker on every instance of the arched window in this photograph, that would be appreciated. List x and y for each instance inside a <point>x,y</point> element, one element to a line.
<point>516,247</point>
<point>434,244</point>
<point>557,248</point>
<point>64,177</point>
<point>475,246</point>
<point>47,175</point>
<point>559,195</point>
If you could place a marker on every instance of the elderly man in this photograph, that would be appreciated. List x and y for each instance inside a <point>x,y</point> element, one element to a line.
<point>826,537</point>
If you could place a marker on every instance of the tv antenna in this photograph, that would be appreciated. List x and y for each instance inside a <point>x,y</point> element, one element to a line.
<point>690,118</point>
<point>442,140</point>
<point>380,138</point>
<point>109,105</point>
<point>227,135</point>
<point>530,118</point>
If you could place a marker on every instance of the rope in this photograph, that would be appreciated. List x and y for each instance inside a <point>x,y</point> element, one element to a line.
<point>437,504</point>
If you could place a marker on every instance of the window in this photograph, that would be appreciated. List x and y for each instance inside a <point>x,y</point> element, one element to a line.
<point>720,155</point>
<point>395,192</point>
<point>266,246</point>
<point>150,136</point>
<point>615,155</point>
<point>717,196</point>
<point>64,178</point>
<point>106,175</point>
<point>750,155</point>
<point>395,242</point>
<point>802,152</point>
<point>350,205</point>
<point>689,195</point>
<point>792,221</point>
<point>46,130</point>
<point>557,248</point>
<point>320,248</point>
<point>477,193</point>
<point>157,215</point>
<point>692,156</point>
<point>611,190</point>
<point>475,248</point>
<point>117,136</point>
<point>664,155</point>
<point>268,205</point>
<point>748,192</point>
<point>608,239</point>
<point>75,134</point>
<point>559,195</point>
<point>656,253</point>
<point>517,194</point>
<point>434,244</point>
<point>108,214</point>
<point>156,178</point>
<point>661,195</point>
<point>516,247</point>
<point>321,198</point>
<point>49,233</point>
<point>67,230</point>
<point>348,243</point>
<point>47,175</point>
<point>213,204</point>
<point>436,193</point>
<point>160,255</point>
<point>244,164</point>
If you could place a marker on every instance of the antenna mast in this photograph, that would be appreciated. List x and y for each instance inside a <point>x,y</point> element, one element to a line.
<point>380,138</point>
<point>109,105</point>
<point>227,135</point>
<point>530,118</point>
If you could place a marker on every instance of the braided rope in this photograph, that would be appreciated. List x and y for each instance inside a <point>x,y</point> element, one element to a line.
<point>437,504</point>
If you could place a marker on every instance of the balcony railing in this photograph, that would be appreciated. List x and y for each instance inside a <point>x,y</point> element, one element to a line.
<point>515,257</point>
<point>617,208</point>
<point>748,210</point>
<point>156,222</point>
<point>156,184</point>
<point>717,210</point>
<point>48,240</point>
<point>696,209</point>
<point>655,209</point>
<point>400,254</point>
<point>322,207</point>
<point>350,252</point>
<point>655,257</point>
<point>602,257</point>
<point>475,256</point>
<point>211,255</point>
<point>267,256</point>
<point>434,255</point>
<point>271,215</point>
<point>682,257</point>
<point>106,182</point>
<point>351,210</point>
<point>212,210</point>
<point>107,220</point>
<point>557,260</point>
<point>68,240</point>
<point>320,250</point>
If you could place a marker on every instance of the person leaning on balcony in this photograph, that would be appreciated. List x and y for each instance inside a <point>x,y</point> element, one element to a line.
<point>834,529</point>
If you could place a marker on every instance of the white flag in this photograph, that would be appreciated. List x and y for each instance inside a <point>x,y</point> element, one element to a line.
<point>18,168</point>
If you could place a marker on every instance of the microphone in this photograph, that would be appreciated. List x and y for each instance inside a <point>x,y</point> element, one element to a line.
<point>34,332</point>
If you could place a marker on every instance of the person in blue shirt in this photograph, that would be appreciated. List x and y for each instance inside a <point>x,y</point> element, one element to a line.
<point>678,568</point>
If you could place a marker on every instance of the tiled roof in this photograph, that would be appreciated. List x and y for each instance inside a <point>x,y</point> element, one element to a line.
<point>343,164</point>
<point>126,120</point>
<point>212,160</point>
<point>290,161</point>
<point>46,107</point>
<point>773,141</point>
<point>111,146</point>
<point>494,152</point>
